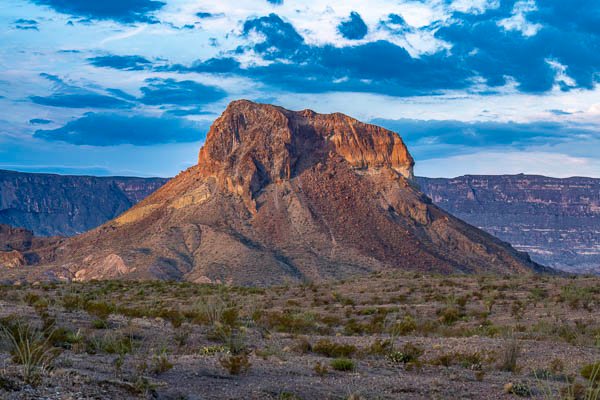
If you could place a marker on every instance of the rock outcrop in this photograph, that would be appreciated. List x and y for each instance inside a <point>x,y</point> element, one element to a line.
<point>249,147</point>
<point>280,196</point>
<point>12,238</point>
<point>11,259</point>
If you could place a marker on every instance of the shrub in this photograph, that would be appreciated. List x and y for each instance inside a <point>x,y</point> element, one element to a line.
<point>161,363</point>
<point>110,343</point>
<point>591,372</point>
<point>303,346</point>
<point>230,316</point>
<point>449,315</point>
<point>72,302</point>
<point>100,324</point>
<point>409,354</point>
<point>100,310</point>
<point>182,334</point>
<point>343,364</point>
<point>380,347</point>
<point>175,317</point>
<point>31,349</point>
<point>209,310</point>
<point>518,389</point>
<point>577,297</point>
<point>406,326</point>
<point>510,356</point>
<point>321,369</point>
<point>291,322</point>
<point>332,349</point>
<point>233,338</point>
<point>235,364</point>
<point>31,298</point>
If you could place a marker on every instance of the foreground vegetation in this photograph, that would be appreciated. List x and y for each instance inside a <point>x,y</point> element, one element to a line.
<point>380,336</point>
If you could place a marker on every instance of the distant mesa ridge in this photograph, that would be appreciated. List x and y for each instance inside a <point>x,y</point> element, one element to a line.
<point>281,196</point>
<point>64,205</point>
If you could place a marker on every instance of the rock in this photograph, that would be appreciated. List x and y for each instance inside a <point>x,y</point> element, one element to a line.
<point>111,267</point>
<point>11,259</point>
<point>280,196</point>
<point>15,238</point>
<point>249,147</point>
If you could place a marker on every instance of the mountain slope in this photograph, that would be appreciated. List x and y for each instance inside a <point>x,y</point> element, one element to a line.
<point>284,196</point>
<point>556,220</point>
<point>66,205</point>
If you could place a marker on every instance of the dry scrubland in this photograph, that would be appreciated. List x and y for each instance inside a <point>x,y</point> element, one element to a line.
<point>405,336</point>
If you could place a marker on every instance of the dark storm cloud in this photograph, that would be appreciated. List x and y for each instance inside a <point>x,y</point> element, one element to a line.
<point>127,63</point>
<point>170,91</point>
<point>281,39</point>
<point>110,129</point>
<point>353,28</point>
<point>435,138</point>
<point>567,35</point>
<point>481,48</point>
<point>39,121</point>
<point>212,65</point>
<point>124,11</point>
<point>157,92</point>
<point>352,68</point>
<point>80,100</point>
<point>26,24</point>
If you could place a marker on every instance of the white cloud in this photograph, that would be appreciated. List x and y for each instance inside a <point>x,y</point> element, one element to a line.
<point>511,162</point>
<point>474,6</point>
<point>518,20</point>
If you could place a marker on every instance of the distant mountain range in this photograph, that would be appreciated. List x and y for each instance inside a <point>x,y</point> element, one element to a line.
<point>63,205</point>
<point>557,221</point>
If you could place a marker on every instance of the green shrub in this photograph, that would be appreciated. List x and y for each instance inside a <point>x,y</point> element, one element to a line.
<point>72,302</point>
<point>343,364</point>
<point>332,349</point>
<point>161,362</point>
<point>406,326</point>
<point>100,310</point>
<point>111,343</point>
<point>408,354</point>
<point>99,324</point>
<point>591,372</point>
<point>449,315</point>
<point>175,317</point>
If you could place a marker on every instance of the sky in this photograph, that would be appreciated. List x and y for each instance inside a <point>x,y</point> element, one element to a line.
<point>130,87</point>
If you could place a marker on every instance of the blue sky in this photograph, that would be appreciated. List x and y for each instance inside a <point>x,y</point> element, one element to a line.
<point>130,87</point>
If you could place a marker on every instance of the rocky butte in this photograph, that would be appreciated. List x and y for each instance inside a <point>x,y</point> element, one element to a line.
<point>282,196</point>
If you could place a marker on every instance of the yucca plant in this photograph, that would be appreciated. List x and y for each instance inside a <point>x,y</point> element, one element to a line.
<point>30,348</point>
<point>576,390</point>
